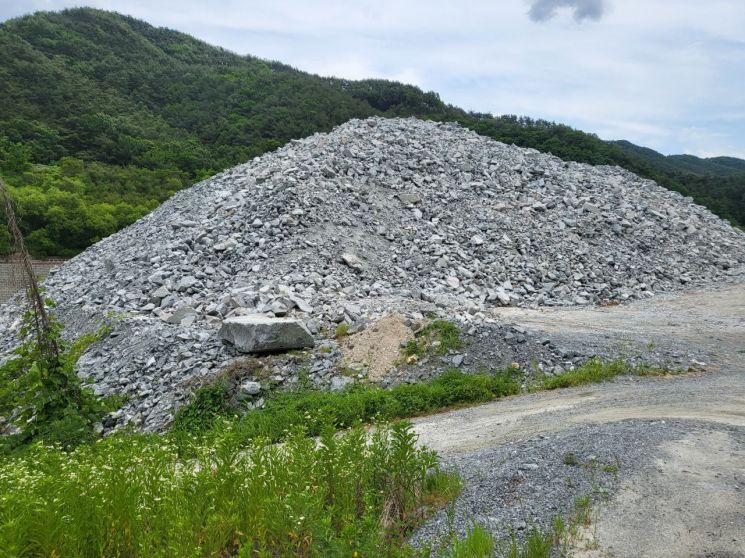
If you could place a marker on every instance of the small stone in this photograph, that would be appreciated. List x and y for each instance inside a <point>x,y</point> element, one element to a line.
<point>249,388</point>
<point>186,283</point>
<point>160,293</point>
<point>302,304</point>
<point>184,316</point>
<point>409,198</point>
<point>339,383</point>
<point>352,261</point>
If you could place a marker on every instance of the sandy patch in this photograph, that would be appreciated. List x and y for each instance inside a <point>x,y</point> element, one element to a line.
<point>377,348</point>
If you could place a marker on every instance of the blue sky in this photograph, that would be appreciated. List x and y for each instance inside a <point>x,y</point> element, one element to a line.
<point>667,74</point>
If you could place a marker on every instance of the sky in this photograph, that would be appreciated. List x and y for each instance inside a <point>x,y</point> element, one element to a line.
<point>666,74</point>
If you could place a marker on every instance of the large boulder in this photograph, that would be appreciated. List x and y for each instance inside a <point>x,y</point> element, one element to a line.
<point>257,333</point>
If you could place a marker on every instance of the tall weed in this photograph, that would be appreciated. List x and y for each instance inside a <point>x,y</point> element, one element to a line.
<point>348,494</point>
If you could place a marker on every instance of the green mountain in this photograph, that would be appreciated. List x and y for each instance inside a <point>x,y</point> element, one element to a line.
<point>711,166</point>
<point>104,116</point>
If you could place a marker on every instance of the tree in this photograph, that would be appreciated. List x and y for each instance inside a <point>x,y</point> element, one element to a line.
<point>41,395</point>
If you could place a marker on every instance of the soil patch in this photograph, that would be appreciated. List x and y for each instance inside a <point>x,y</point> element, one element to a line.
<point>378,348</point>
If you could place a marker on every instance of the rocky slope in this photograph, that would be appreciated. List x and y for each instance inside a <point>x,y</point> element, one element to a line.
<point>375,216</point>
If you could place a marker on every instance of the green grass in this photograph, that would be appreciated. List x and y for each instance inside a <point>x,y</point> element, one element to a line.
<point>582,510</point>
<point>342,330</point>
<point>570,459</point>
<point>595,371</point>
<point>209,403</point>
<point>314,409</point>
<point>364,403</point>
<point>478,543</point>
<point>610,468</point>
<point>439,337</point>
<point>349,494</point>
<point>558,540</point>
<point>537,544</point>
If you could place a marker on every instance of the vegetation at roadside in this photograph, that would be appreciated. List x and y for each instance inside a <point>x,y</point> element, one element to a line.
<point>557,540</point>
<point>596,370</point>
<point>368,403</point>
<point>350,494</point>
<point>314,409</point>
<point>104,117</point>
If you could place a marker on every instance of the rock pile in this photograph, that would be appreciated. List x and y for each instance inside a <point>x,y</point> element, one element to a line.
<point>375,216</point>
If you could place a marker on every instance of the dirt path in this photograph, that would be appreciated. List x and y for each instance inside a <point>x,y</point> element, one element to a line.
<point>686,498</point>
<point>691,505</point>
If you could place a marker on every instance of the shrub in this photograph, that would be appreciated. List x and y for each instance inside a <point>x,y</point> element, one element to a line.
<point>209,403</point>
<point>342,330</point>
<point>438,337</point>
<point>42,395</point>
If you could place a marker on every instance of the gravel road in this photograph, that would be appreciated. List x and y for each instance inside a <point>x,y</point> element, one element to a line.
<point>674,446</point>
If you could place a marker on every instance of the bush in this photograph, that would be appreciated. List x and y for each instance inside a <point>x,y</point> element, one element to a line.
<point>439,337</point>
<point>41,394</point>
<point>209,403</point>
<point>342,330</point>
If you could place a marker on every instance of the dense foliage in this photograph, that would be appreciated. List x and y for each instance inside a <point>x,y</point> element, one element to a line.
<point>104,116</point>
<point>66,207</point>
<point>343,495</point>
<point>42,397</point>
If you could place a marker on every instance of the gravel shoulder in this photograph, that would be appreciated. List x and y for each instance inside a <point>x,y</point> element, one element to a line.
<point>678,441</point>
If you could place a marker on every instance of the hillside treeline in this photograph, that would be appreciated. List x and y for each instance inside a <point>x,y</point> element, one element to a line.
<point>104,116</point>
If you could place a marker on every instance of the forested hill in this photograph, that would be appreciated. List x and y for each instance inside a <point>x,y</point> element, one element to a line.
<point>104,116</point>
<point>712,166</point>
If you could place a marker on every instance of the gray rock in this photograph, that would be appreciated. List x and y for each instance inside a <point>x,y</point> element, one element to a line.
<point>186,283</point>
<point>302,304</point>
<point>256,333</point>
<point>248,388</point>
<point>160,293</point>
<point>409,198</point>
<point>184,316</point>
<point>339,383</point>
<point>352,261</point>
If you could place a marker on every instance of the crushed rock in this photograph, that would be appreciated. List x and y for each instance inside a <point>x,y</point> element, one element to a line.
<point>377,217</point>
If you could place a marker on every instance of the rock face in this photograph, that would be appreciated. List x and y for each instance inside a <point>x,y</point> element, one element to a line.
<point>375,217</point>
<point>257,333</point>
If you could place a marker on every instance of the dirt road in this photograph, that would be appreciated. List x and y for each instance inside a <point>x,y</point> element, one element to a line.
<point>685,496</point>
